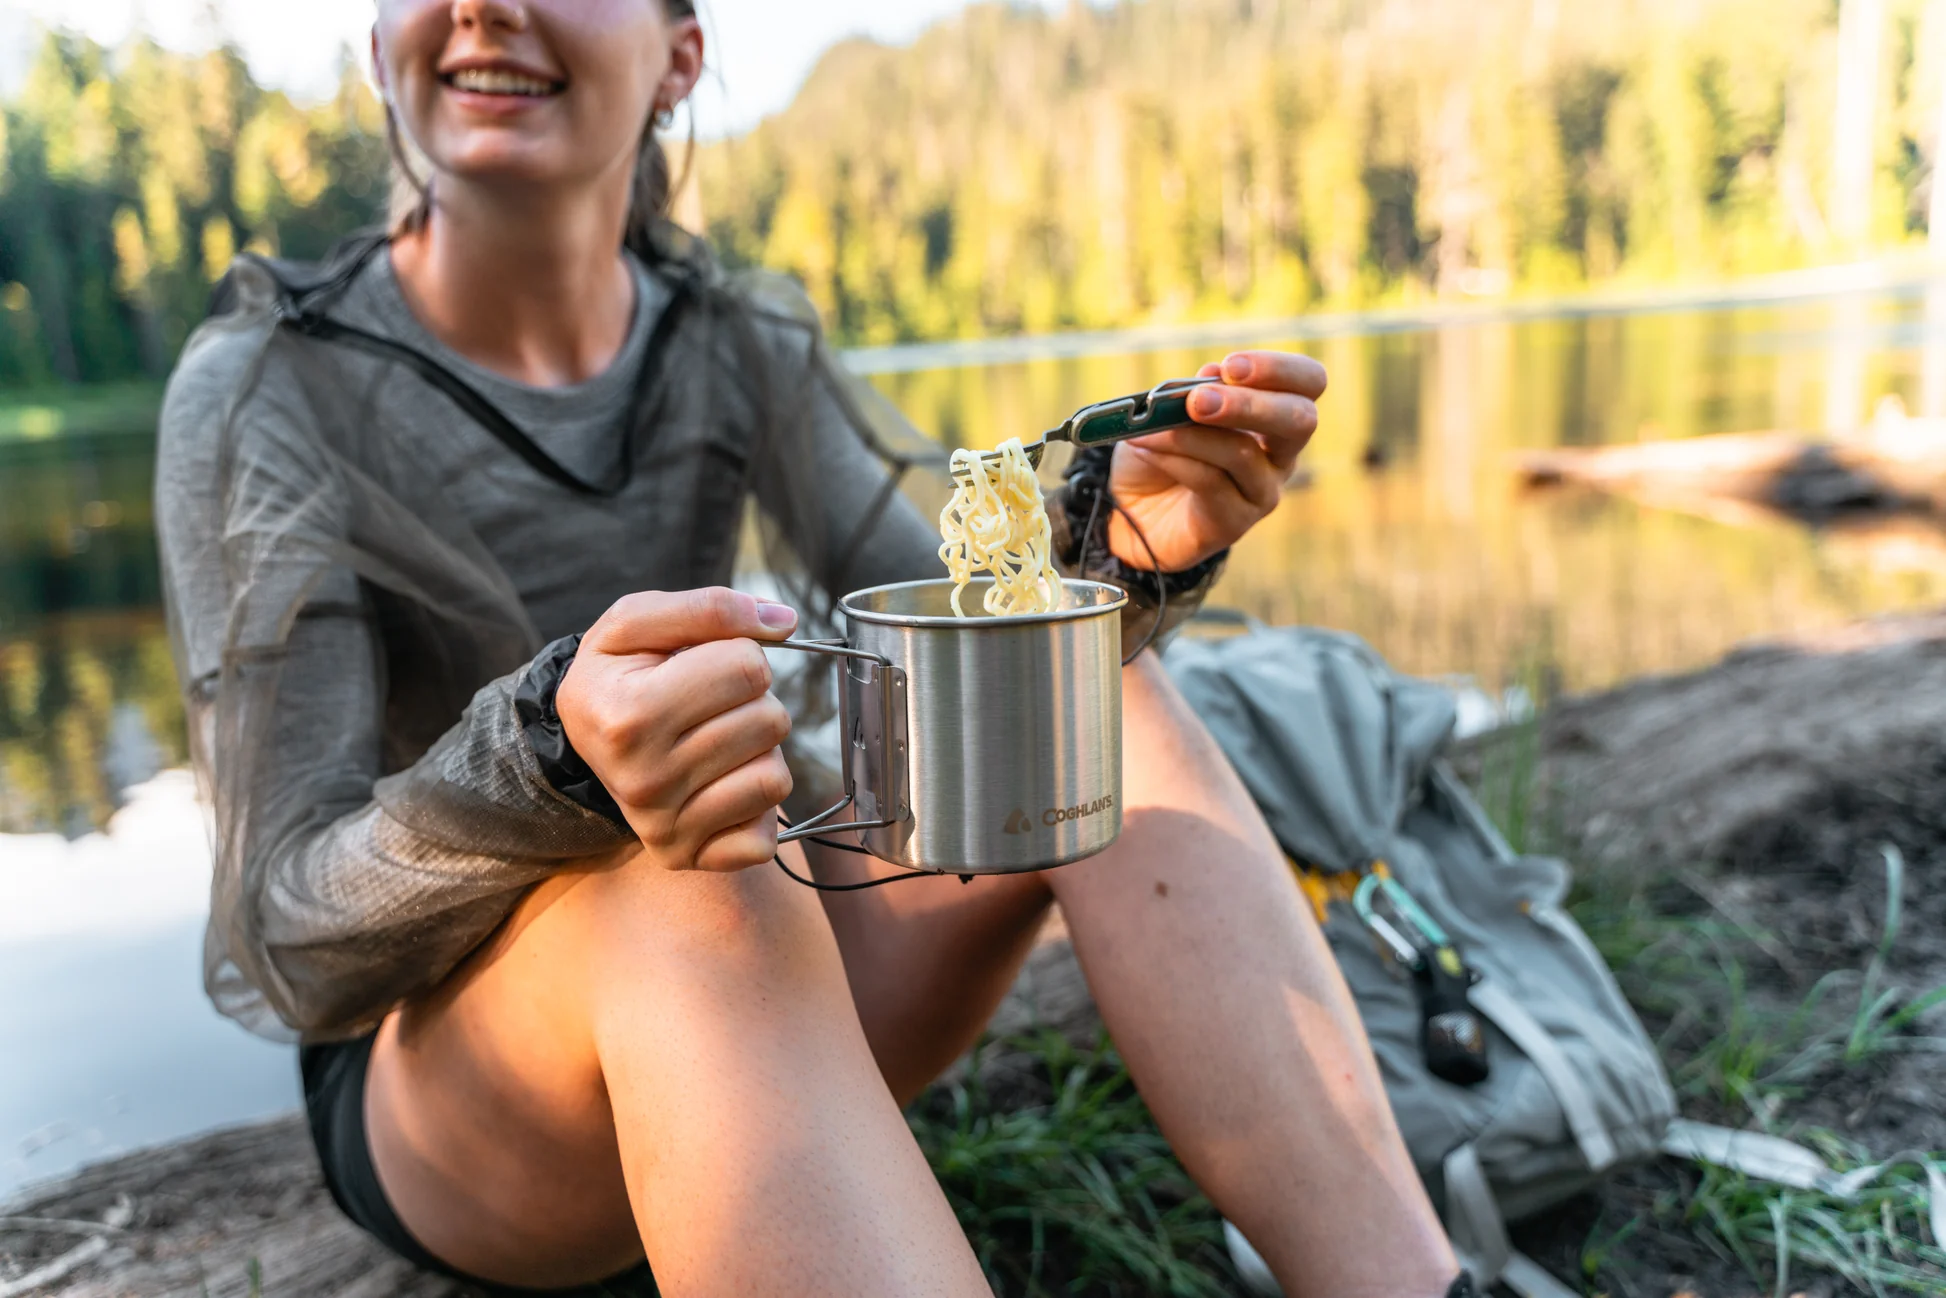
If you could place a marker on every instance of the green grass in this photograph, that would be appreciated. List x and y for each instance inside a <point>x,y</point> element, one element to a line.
<point>1075,1191</point>
<point>1877,1242</point>
<point>1741,1059</point>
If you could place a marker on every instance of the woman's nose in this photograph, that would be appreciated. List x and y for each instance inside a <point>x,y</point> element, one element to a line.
<point>489,15</point>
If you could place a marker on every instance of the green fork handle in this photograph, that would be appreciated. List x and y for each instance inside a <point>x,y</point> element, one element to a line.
<point>1136,416</point>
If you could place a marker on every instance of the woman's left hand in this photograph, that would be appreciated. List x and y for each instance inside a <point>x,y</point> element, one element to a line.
<point>1194,491</point>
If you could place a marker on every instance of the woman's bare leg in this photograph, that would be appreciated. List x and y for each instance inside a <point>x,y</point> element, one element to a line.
<point>1236,1024</point>
<point>929,959</point>
<point>659,1060</point>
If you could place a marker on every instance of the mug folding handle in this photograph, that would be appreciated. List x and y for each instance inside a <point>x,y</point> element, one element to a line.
<point>872,736</point>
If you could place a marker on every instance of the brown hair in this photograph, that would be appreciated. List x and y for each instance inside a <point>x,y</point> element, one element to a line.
<point>649,194</point>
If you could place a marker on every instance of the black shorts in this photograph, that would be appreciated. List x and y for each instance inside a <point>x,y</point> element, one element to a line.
<point>334,1100</point>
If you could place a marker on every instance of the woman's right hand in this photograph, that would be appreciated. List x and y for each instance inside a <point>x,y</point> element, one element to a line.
<point>668,702</point>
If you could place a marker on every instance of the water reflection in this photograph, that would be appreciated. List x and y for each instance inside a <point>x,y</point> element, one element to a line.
<point>1413,531</point>
<point>76,526</point>
<point>88,704</point>
<point>1447,565</point>
<point>88,708</point>
<point>108,1040</point>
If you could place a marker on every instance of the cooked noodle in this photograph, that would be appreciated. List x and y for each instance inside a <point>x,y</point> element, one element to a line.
<point>996,521</point>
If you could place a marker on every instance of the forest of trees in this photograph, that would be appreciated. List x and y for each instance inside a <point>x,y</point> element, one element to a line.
<point>1101,166</point>
<point>131,177</point>
<point>1165,159</point>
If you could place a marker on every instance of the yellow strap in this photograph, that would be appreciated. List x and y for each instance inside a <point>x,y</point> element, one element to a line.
<point>1322,889</point>
<point>1318,893</point>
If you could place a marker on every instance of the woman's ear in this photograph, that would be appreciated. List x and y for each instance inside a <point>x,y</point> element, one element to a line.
<point>685,62</point>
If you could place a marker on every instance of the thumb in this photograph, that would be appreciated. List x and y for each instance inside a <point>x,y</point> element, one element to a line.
<point>658,621</point>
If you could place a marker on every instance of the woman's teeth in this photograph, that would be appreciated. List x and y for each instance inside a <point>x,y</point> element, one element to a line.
<point>497,81</point>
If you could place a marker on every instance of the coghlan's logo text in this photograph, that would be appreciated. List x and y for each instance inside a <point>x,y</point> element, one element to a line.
<point>1018,822</point>
<point>1055,815</point>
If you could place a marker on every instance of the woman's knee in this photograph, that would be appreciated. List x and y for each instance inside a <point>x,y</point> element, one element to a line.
<point>620,933</point>
<point>640,914</point>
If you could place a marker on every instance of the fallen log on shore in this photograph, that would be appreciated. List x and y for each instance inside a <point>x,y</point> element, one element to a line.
<point>230,1215</point>
<point>1894,464</point>
<point>1833,737</point>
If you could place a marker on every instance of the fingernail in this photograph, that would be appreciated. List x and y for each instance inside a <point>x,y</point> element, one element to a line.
<point>778,617</point>
<point>1237,369</point>
<point>1205,403</point>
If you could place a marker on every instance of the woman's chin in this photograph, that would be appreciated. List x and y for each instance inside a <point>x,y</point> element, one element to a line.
<point>508,163</point>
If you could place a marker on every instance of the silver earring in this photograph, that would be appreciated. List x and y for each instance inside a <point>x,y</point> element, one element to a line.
<point>665,118</point>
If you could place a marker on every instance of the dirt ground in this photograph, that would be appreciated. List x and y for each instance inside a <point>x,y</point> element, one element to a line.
<point>1760,795</point>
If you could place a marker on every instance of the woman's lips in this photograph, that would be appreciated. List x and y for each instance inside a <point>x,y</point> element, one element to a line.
<point>502,81</point>
<point>499,91</point>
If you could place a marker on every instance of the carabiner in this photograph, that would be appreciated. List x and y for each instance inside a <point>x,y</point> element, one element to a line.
<point>1407,952</point>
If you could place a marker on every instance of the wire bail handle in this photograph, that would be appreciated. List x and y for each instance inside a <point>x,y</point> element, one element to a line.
<point>872,739</point>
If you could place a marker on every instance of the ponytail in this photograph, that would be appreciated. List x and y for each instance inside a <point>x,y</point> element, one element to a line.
<point>652,192</point>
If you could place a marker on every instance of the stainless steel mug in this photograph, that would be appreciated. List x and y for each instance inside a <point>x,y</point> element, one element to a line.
<point>977,745</point>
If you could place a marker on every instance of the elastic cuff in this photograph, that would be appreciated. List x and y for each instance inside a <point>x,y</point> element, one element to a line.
<point>560,765</point>
<point>1078,515</point>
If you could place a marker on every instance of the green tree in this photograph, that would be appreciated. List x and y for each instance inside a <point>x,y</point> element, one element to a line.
<point>1176,159</point>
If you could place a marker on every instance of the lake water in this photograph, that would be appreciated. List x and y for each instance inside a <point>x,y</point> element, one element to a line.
<point>1410,529</point>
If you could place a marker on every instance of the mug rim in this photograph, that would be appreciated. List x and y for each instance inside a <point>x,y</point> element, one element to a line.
<point>989,622</point>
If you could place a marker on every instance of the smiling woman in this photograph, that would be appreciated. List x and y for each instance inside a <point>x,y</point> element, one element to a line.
<point>447,525</point>
<point>501,109</point>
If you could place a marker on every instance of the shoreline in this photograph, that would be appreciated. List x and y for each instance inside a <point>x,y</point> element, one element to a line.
<point>1905,271</point>
<point>45,415</point>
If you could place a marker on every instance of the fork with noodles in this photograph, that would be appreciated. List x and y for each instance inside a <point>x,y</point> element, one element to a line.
<point>997,522</point>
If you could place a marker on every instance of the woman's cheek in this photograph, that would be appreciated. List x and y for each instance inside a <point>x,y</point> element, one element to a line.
<point>614,70</point>
<point>409,35</point>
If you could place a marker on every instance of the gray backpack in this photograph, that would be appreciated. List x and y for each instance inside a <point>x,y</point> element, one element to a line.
<point>1342,754</point>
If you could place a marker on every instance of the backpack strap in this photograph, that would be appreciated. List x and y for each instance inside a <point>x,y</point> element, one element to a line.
<point>1757,1155</point>
<point>1530,1279</point>
<point>1480,1234</point>
<point>1551,1062</point>
<point>1473,1216</point>
<point>1764,1157</point>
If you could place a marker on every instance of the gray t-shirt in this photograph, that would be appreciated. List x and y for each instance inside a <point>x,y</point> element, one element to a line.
<point>579,425</point>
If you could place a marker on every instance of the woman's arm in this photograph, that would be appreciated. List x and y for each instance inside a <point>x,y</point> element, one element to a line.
<point>337,893</point>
